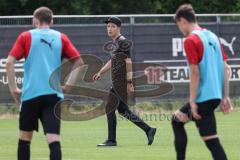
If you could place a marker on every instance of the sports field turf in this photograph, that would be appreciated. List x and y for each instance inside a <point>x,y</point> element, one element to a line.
<point>79,140</point>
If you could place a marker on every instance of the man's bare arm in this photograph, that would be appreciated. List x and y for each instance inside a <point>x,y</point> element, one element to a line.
<point>226,101</point>
<point>103,70</point>
<point>129,69</point>
<point>226,79</point>
<point>15,91</point>
<point>11,73</point>
<point>106,67</point>
<point>194,83</point>
<point>76,70</point>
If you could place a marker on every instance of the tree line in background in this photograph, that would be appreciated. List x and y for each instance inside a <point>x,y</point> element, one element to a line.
<point>97,7</point>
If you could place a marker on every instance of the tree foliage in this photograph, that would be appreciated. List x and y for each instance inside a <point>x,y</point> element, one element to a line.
<point>96,7</point>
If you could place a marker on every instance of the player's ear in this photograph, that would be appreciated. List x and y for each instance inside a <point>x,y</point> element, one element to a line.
<point>35,22</point>
<point>119,29</point>
<point>51,22</point>
<point>184,21</point>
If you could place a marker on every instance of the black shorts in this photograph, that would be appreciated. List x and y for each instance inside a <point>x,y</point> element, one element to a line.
<point>207,124</point>
<point>43,108</point>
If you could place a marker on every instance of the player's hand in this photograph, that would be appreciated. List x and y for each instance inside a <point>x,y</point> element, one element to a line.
<point>226,105</point>
<point>194,110</point>
<point>130,88</point>
<point>16,93</point>
<point>97,76</point>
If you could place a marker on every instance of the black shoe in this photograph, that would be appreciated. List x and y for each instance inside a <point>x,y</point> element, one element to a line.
<point>150,135</point>
<point>108,143</point>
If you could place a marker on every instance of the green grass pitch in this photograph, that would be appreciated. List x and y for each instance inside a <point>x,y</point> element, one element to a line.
<point>79,140</point>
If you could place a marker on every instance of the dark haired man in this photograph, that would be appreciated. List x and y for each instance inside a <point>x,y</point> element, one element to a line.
<point>209,84</point>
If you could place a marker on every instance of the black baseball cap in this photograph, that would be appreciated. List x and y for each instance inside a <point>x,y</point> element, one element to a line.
<point>114,20</point>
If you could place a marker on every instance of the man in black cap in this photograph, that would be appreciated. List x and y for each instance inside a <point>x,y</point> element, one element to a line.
<point>121,71</point>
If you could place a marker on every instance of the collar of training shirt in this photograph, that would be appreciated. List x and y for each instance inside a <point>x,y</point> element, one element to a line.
<point>115,40</point>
